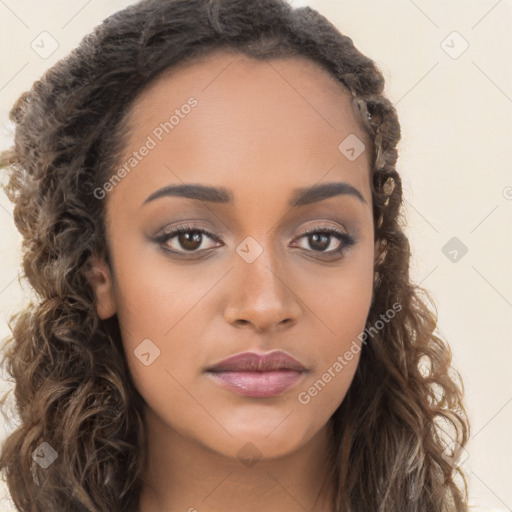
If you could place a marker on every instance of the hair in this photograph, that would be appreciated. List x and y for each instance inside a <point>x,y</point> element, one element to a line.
<point>72,384</point>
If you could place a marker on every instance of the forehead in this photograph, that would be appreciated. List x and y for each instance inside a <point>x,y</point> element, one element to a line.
<point>282,119</point>
<point>229,77</point>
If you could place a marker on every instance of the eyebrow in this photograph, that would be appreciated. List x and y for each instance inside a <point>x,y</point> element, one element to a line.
<point>300,197</point>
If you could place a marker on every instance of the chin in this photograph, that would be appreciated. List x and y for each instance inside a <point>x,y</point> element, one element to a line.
<point>266,444</point>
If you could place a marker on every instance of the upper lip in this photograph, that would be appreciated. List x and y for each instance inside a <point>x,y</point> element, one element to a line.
<point>253,362</point>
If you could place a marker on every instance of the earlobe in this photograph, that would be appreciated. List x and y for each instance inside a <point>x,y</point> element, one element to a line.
<point>100,279</point>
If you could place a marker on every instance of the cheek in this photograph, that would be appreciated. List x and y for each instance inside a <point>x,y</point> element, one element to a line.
<point>337,354</point>
<point>340,299</point>
<point>323,393</point>
<point>160,328</point>
<point>154,294</point>
<point>163,322</point>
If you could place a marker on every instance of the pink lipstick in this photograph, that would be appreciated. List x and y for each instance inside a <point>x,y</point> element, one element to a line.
<point>258,375</point>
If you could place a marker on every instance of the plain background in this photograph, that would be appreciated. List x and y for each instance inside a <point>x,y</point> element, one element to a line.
<point>448,72</point>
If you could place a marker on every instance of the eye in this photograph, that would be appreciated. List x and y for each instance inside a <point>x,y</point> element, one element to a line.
<point>321,238</point>
<point>188,239</point>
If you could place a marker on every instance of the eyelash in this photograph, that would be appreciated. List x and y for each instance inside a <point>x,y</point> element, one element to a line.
<point>346,239</point>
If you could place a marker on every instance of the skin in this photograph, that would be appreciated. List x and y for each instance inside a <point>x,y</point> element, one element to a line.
<point>260,130</point>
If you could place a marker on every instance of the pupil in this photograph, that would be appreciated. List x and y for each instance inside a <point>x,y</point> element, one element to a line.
<point>190,240</point>
<point>320,245</point>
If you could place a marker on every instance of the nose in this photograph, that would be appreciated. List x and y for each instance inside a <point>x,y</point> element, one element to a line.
<point>262,295</point>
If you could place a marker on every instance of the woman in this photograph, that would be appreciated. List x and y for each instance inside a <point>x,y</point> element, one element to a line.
<point>212,222</point>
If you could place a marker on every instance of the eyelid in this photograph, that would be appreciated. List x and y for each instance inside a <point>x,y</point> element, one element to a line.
<point>319,227</point>
<point>188,225</point>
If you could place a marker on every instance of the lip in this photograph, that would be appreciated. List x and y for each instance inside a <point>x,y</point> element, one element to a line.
<point>258,375</point>
<point>253,362</point>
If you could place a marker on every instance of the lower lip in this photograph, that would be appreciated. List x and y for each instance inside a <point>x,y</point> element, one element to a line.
<point>258,384</point>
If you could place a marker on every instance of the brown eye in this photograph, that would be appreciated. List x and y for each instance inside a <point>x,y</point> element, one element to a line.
<point>321,238</point>
<point>190,240</point>
<point>186,239</point>
<point>319,241</point>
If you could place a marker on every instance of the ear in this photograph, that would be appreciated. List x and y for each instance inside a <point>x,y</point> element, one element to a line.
<point>100,279</point>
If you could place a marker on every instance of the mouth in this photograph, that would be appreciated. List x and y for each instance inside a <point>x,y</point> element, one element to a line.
<point>259,376</point>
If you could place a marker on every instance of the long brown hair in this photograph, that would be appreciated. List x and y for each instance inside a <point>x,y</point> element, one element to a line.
<point>73,390</point>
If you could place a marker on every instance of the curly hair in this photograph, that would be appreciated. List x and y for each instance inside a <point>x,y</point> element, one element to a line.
<point>72,385</point>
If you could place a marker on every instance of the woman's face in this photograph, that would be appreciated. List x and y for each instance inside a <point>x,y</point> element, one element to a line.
<point>258,138</point>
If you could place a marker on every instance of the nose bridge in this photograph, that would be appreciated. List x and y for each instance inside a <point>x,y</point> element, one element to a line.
<point>259,265</point>
<point>261,294</point>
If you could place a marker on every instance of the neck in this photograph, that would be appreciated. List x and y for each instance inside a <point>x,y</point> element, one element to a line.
<point>184,475</point>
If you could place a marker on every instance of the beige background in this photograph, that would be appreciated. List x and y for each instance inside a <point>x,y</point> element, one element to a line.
<point>455,107</point>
